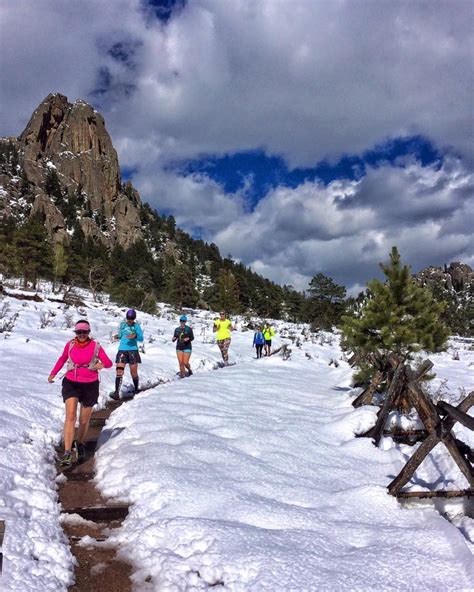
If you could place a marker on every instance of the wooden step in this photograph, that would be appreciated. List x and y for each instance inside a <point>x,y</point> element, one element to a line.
<point>100,514</point>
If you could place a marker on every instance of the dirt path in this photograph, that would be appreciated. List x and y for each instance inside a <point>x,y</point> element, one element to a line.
<point>98,568</point>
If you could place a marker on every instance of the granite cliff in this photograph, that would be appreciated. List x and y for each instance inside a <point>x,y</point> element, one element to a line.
<point>64,166</point>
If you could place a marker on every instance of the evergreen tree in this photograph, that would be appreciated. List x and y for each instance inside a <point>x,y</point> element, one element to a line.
<point>180,288</point>
<point>60,263</point>
<point>9,264</point>
<point>34,252</point>
<point>325,305</point>
<point>228,292</point>
<point>52,185</point>
<point>397,316</point>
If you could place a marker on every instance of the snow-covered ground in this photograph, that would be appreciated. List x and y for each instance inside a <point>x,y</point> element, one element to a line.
<point>243,478</point>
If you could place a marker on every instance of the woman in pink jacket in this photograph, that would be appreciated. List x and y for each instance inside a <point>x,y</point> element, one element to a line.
<point>84,357</point>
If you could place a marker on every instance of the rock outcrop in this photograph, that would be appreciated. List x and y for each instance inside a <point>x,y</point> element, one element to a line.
<point>455,277</point>
<point>70,142</point>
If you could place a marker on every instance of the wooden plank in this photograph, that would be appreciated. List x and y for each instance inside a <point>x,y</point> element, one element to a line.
<point>352,360</point>
<point>365,398</point>
<point>414,462</point>
<point>423,369</point>
<point>459,459</point>
<point>456,414</point>
<point>101,514</point>
<point>425,407</point>
<point>2,534</point>
<point>431,494</point>
<point>464,407</point>
<point>410,432</point>
<point>395,387</point>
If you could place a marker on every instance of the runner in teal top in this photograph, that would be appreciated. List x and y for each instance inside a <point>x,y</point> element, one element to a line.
<point>129,333</point>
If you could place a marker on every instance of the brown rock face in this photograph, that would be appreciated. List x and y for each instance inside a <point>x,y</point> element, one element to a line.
<point>72,139</point>
<point>454,277</point>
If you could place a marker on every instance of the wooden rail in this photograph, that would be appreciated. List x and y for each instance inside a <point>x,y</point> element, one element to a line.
<point>439,432</point>
<point>2,534</point>
<point>403,392</point>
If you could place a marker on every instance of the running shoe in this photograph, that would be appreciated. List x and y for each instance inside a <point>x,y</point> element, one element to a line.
<point>190,372</point>
<point>80,450</point>
<point>115,396</point>
<point>66,459</point>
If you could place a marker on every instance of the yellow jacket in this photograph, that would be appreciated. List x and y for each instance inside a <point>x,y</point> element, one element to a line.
<point>268,333</point>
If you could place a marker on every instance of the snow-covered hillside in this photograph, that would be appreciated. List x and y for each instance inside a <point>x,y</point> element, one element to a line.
<point>243,478</point>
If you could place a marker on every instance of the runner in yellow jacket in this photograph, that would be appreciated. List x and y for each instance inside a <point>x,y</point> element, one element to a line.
<point>268,333</point>
<point>223,327</point>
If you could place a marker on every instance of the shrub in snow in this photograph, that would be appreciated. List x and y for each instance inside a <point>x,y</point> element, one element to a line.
<point>46,319</point>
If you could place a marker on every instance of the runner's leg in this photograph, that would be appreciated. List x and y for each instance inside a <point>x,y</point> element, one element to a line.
<point>70,422</point>
<point>134,373</point>
<point>180,355</point>
<point>119,370</point>
<point>84,419</point>
<point>187,365</point>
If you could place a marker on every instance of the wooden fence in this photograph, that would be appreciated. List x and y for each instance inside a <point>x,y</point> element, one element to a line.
<point>403,392</point>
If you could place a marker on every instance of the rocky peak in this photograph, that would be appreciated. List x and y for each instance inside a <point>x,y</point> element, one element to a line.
<point>72,140</point>
<point>453,277</point>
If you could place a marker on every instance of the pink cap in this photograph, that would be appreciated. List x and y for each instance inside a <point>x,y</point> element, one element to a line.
<point>82,326</point>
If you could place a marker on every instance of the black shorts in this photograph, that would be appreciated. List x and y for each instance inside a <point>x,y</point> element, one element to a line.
<point>86,392</point>
<point>130,356</point>
<point>268,341</point>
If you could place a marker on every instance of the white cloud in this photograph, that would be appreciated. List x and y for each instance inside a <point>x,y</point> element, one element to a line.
<point>295,233</point>
<point>196,201</point>
<point>307,80</point>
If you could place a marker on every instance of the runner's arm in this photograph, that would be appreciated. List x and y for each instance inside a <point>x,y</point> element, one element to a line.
<point>104,358</point>
<point>60,363</point>
<point>138,332</point>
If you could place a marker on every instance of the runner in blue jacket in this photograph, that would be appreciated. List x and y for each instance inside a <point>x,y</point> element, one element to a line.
<point>258,341</point>
<point>129,333</point>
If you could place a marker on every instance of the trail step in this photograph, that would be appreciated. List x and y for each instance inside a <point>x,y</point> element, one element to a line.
<point>100,514</point>
<point>81,477</point>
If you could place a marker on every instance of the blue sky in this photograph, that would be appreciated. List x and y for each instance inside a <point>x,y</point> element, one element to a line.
<point>263,173</point>
<point>301,137</point>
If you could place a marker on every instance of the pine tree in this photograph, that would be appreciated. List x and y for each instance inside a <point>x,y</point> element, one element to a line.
<point>52,185</point>
<point>60,263</point>
<point>228,292</point>
<point>325,305</point>
<point>397,316</point>
<point>180,288</point>
<point>34,252</point>
<point>9,264</point>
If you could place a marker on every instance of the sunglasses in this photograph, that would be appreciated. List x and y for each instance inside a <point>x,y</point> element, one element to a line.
<point>82,332</point>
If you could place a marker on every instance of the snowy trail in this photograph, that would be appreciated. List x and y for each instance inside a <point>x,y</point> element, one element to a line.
<point>245,478</point>
<point>256,485</point>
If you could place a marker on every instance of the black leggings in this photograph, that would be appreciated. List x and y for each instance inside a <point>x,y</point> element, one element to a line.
<point>259,348</point>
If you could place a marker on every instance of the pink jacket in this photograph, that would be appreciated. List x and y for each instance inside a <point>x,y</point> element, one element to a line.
<point>81,356</point>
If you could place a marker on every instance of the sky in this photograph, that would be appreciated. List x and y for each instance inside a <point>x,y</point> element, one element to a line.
<point>300,136</point>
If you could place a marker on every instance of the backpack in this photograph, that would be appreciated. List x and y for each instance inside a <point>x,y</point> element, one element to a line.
<point>90,365</point>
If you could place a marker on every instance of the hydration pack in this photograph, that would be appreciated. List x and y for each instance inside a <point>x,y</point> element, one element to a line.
<point>90,365</point>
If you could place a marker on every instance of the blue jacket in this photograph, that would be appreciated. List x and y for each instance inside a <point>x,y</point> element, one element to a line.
<point>258,338</point>
<point>126,329</point>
